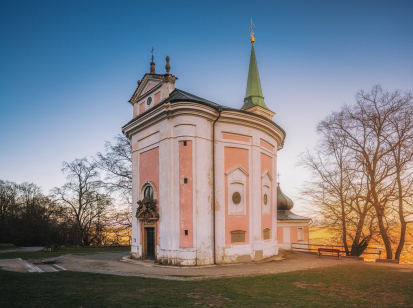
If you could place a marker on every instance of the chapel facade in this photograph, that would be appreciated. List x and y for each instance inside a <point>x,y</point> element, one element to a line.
<point>204,189</point>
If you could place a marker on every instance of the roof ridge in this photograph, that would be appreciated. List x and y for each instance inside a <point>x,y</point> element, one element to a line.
<point>174,96</point>
<point>195,96</point>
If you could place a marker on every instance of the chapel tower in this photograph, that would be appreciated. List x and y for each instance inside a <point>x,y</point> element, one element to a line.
<point>254,100</point>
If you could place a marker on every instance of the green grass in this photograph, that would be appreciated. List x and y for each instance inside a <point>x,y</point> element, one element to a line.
<point>64,250</point>
<point>6,246</point>
<point>343,286</point>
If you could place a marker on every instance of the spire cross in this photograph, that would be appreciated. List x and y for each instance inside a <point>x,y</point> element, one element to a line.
<point>252,28</point>
<point>278,175</point>
<point>154,49</point>
<point>252,40</point>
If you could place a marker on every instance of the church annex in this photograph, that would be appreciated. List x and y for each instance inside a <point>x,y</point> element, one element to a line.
<point>204,188</point>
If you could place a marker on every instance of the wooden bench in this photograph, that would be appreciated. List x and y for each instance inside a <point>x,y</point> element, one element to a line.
<point>337,251</point>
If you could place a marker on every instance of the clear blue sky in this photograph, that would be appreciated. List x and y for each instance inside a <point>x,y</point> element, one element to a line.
<point>68,68</point>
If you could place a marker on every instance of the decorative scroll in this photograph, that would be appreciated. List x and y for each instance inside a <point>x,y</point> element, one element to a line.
<point>147,211</point>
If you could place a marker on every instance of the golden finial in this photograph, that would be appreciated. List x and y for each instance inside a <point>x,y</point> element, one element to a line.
<point>252,33</point>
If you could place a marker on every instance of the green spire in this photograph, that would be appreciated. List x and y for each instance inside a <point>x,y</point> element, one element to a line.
<point>253,96</point>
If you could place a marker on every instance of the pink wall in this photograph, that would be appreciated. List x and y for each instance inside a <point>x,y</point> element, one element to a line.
<point>185,194</point>
<point>141,107</point>
<point>267,146</point>
<point>157,98</point>
<point>233,158</point>
<point>266,220</point>
<point>135,110</point>
<point>236,138</point>
<point>149,172</point>
<point>149,86</point>
<point>306,234</point>
<point>293,234</point>
<point>280,235</point>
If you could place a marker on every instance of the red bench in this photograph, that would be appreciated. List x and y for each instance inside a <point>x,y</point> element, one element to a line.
<point>337,251</point>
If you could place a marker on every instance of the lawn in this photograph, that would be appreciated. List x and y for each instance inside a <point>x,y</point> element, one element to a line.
<point>64,250</point>
<point>6,246</point>
<point>358,285</point>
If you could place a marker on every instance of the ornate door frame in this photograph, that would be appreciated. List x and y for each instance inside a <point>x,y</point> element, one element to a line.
<point>147,214</point>
<point>144,227</point>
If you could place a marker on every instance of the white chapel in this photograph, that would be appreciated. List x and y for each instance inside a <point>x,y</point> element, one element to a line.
<point>204,185</point>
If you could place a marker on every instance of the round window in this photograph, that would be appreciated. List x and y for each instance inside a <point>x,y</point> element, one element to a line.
<point>149,101</point>
<point>148,193</point>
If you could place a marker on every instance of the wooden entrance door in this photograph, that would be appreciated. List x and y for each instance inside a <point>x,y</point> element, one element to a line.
<point>150,243</point>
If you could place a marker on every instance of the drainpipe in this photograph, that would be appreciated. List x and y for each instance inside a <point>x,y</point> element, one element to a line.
<point>213,176</point>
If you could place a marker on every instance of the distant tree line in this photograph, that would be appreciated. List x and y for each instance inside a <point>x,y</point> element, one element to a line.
<point>362,171</point>
<point>91,208</point>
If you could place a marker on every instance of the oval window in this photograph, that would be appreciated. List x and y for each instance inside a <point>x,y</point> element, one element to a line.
<point>236,198</point>
<point>149,101</point>
<point>148,193</point>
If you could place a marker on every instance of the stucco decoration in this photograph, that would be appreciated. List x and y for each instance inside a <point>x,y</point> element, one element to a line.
<point>238,236</point>
<point>266,193</point>
<point>147,211</point>
<point>266,233</point>
<point>237,180</point>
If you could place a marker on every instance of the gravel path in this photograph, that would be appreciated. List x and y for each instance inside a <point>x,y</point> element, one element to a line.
<point>110,263</point>
<point>118,263</point>
<point>22,249</point>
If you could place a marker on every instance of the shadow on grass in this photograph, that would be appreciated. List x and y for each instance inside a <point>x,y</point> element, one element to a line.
<point>344,286</point>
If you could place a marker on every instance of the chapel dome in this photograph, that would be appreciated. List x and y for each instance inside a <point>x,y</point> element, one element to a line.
<point>283,202</point>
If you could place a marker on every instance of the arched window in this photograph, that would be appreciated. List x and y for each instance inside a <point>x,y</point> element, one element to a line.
<point>148,193</point>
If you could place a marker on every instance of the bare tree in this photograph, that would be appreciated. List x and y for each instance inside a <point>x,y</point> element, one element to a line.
<point>401,143</point>
<point>338,191</point>
<point>27,215</point>
<point>8,195</point>
<point>84,197</point>
<point>117,165</point>
<point>365,130</point>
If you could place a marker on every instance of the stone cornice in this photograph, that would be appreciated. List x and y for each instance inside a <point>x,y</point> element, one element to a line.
<point>166,110</point>
<point>238,167</point>
<point>257,122</point>
<point>156,78</point>
<point>261,111</point>
<point>149,92</point>
<point>267,173</point>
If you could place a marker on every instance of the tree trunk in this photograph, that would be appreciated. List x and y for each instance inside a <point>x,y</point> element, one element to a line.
<point>383,233</point>
<point>382,228</point>
<point>343,215</point>
<point>403,223</point>
<point>401,241</point>
<point>356,247</point>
